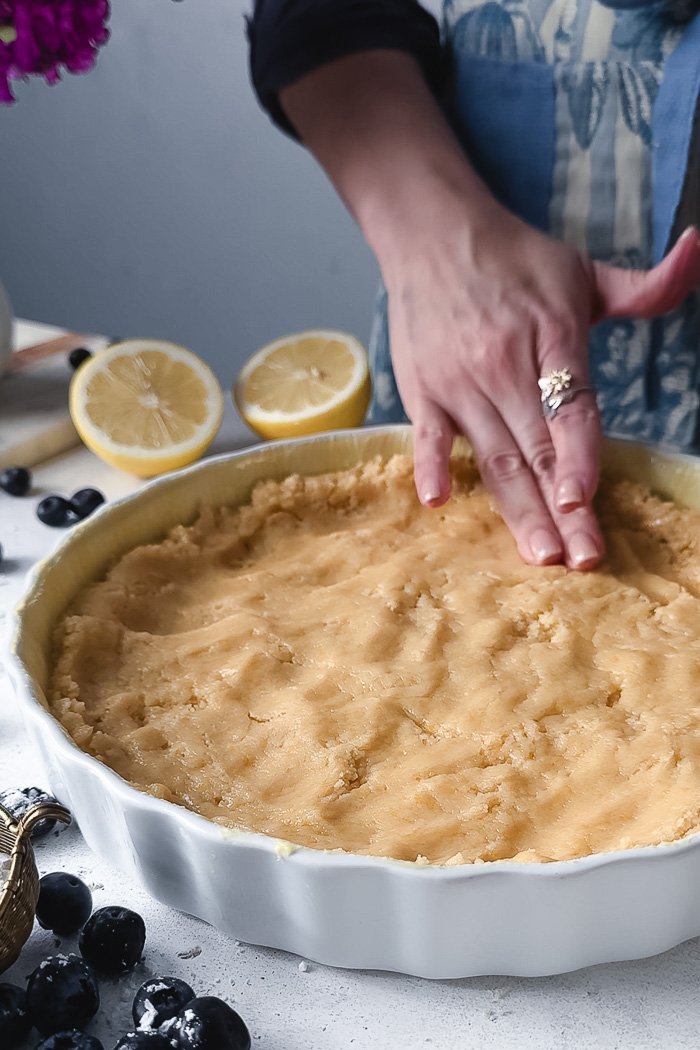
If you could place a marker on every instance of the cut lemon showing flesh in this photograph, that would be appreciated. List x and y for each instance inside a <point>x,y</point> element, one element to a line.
<point>146,406</point>
<point>304,384</point>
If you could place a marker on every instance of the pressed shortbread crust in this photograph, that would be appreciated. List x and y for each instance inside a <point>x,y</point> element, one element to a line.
<point>339,667</point>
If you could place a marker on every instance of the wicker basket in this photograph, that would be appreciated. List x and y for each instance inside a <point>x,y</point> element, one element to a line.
<point>20,891</point>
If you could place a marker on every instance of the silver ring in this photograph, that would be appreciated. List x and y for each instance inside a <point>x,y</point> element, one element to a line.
<point>557,389</point>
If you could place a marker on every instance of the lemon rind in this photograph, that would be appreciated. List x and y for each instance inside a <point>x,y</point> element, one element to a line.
<point>254,414</point>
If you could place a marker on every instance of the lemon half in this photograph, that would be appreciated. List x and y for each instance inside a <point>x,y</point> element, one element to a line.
<point>303,384</point>
<point>146,406</point>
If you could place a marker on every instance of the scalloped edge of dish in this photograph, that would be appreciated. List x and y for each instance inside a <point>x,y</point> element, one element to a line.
<point>362,911</point>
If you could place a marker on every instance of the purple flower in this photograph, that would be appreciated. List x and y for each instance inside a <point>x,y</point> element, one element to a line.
<point>40,37</point>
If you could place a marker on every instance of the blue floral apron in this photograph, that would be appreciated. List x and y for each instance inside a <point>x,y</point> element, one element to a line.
<point>580,117</point>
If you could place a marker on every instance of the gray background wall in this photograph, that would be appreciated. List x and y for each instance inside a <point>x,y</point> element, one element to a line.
<point>154,197</point>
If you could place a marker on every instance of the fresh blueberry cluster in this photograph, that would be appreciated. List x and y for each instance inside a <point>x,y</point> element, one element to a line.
<point>169,1016</point>
<point>62,994</point>
<point>59,512</point>
<point>207,1023</point>
<point>167,1012</point>
<point>53,510</point>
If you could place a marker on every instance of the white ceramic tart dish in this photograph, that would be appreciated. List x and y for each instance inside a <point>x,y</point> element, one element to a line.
<point>335,908</point>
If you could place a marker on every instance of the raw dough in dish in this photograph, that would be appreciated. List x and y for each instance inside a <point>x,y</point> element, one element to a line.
<point>336,666</point>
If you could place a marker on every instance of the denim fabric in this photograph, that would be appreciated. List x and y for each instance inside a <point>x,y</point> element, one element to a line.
<point>579,116</point>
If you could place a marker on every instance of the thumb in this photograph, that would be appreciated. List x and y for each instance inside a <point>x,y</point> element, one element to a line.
<point>647,293</point>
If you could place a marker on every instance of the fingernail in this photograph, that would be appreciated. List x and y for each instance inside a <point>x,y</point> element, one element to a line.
<point>545,545</point>
<point>691,233</point>
<point>583,548</point>
<point>431,499</point>
<point>570,494</point>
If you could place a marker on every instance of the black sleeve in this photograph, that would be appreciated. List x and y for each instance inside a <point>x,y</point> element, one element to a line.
<point>289,38</point>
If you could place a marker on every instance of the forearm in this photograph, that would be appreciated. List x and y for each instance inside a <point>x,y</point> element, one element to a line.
<point>481,306</point>
<point>372,122</point>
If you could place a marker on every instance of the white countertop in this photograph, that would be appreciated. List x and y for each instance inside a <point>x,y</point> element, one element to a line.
<point>654,1003</point>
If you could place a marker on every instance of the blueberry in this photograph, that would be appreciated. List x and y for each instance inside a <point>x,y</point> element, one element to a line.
<point>65,903</point>
<point>14,1019</point>
<point>78,356</point>
<point>73,1040</point>
<point>62,993</point>
<point>169,1029</point>
<point>16,481</point>
<point>20,800</point>
<point>208,1023</point>
<point>143,1041</point>
<point>56,511</point>
<point>85,501</point>
<point>158,999</point>
<point>112,940</point>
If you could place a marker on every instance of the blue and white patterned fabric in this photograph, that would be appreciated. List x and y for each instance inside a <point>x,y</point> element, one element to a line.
<point>579,116</point>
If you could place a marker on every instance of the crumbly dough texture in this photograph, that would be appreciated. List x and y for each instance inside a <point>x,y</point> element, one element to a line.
<point>336,666</point>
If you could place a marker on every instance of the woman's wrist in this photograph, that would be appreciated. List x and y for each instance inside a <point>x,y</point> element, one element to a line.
<point>423,211</point>
<point>374,125</point>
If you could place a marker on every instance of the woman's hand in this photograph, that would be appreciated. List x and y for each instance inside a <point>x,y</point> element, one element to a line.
<point>478,311</point>
<point>480,304</point>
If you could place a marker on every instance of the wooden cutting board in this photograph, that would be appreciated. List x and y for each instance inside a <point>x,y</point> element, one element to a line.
<point>34,419</point>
